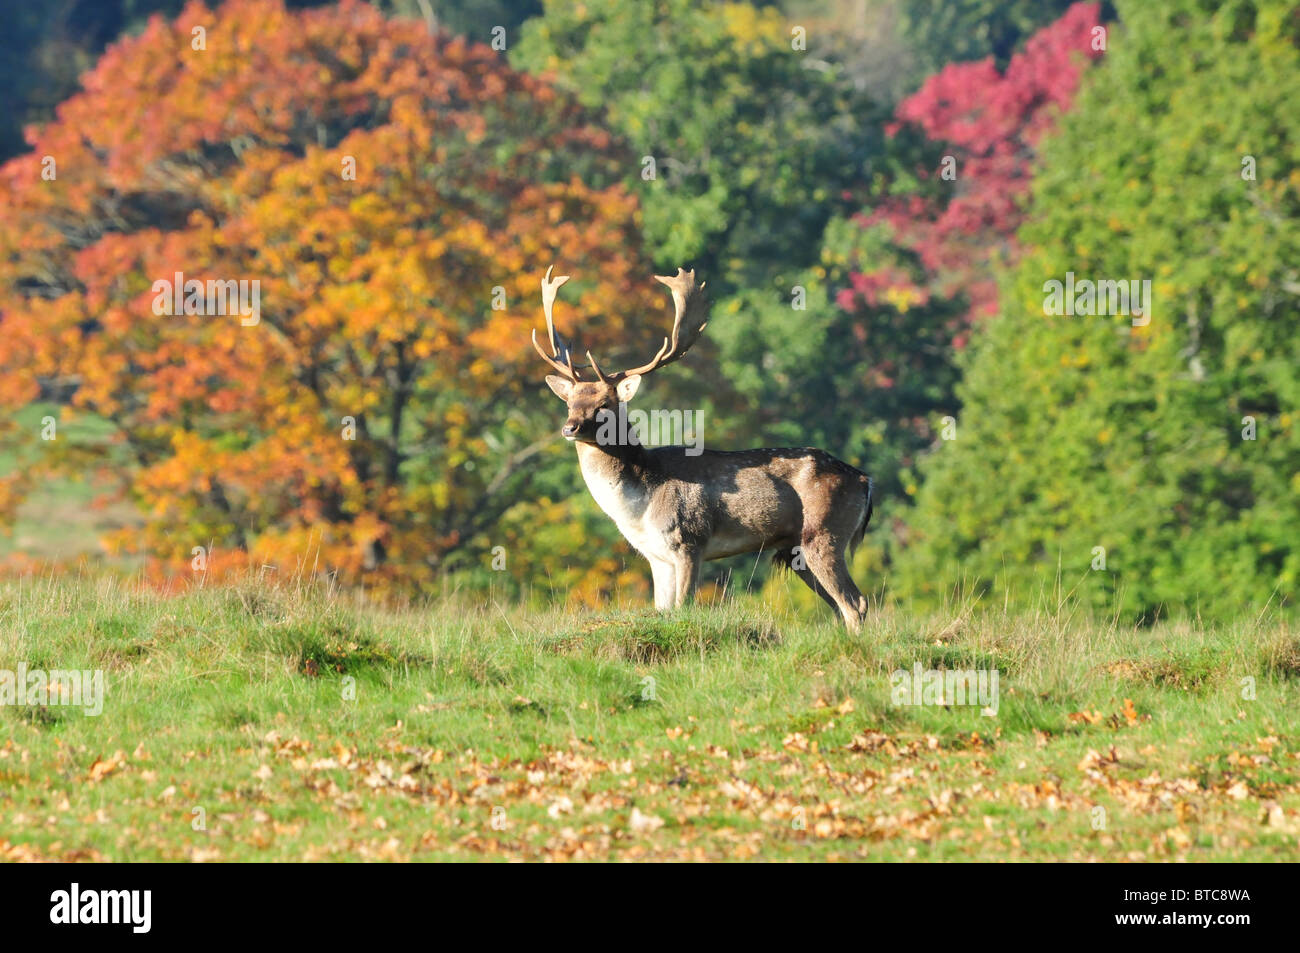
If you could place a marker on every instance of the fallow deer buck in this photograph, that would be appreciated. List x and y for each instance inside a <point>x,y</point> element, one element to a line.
<point>677,510</point>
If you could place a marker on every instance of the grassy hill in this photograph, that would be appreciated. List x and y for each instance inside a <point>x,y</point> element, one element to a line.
<point>260,722</point>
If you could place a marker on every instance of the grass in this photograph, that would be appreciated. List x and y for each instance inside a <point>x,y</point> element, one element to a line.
<point>261,723</point>
<point>62,518</point>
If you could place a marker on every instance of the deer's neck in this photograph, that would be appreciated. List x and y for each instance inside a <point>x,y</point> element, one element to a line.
<point>613,465</point>
<point>620,481</point>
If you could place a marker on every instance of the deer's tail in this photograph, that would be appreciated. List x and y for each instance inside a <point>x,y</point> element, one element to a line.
<point>869,488</point>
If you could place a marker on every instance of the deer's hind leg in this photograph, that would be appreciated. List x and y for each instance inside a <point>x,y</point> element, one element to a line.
<point>796,563</point>
<point>687,572</point>
<point>825,554</point>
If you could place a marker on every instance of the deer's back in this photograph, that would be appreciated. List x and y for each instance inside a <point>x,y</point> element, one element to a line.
<point>743,500</point>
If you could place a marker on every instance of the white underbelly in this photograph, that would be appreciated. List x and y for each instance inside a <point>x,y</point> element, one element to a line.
<point>731,544</point>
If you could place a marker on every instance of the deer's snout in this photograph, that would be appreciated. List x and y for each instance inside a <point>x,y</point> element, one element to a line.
<point>569,430</point>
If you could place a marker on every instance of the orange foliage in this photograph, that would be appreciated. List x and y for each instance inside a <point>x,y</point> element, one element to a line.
<point>376,292</point>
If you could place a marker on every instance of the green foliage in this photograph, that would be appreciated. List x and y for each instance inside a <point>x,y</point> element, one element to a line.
<point>1083,432</point>
<point>752,145</point>
<point>473,19</point>
<point>955,31</point>
<point>822,377</point>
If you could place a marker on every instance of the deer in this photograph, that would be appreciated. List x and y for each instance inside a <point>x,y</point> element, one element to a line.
<point>809,509</point>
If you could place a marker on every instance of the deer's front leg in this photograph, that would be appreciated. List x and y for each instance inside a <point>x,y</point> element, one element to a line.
<point>665,580</point>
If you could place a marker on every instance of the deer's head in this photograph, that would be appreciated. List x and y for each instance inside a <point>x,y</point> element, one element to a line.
<point>588,399</point>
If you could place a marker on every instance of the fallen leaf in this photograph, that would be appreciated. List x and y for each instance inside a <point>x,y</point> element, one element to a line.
<point>644,823</point>
<point>103,768</point>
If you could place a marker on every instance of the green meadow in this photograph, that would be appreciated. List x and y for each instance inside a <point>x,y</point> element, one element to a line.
<point>292,722</point>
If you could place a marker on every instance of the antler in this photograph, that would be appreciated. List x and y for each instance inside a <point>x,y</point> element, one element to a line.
<point>690,318</point>
<point>563,359</point>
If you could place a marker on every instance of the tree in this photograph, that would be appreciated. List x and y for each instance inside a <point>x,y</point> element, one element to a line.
<point>482,21</point>
<point>870,367</point>
<point>386,190</point>
<point>740,147</point>
<point>1117,450</point>
<point>942,32</point>
<point>47,46</point>
<point>958,211</point>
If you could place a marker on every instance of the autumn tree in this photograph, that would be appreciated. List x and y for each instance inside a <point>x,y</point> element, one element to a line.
<point>46,46</point>
<point>392,197</point>
<point>1146,455</point>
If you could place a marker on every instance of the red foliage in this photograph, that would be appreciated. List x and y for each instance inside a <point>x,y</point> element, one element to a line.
<point>991,123</point>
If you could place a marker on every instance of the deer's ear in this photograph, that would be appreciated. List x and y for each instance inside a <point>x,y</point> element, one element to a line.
<point>563,388</point>
<point>627,387</point>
